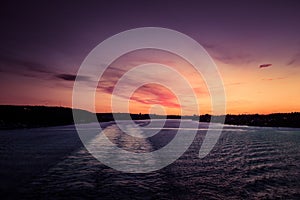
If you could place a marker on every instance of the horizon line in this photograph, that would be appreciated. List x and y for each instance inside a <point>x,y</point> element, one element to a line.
<point>60,106</point>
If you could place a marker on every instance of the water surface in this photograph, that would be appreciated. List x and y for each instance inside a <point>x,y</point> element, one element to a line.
<point>246,163</point>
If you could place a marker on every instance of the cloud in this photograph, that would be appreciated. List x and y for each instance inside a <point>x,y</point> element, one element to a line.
<point>106,87</point>
<point>265,65</point>
<point>272,79</point>
<point>295,59</point>
<point>18,65</point>
<point>24,67</point>
<point>155,94</point>
<point>72,77</point>
<point>291,62</point>
<point>228,55</point>
<point>10,64</point>
<point>66,77</point>
<point>148,94</point>
<point>234,84</point>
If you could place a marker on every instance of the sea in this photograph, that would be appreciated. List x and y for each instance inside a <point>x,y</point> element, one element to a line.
<point>245,163</point>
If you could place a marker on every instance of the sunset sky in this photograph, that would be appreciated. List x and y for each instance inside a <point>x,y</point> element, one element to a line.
<point>43,45</point>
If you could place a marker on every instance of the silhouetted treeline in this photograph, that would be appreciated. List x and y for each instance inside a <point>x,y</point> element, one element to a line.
<point>102,117</point>
<point>273,120</point>
<point>12,117</point>
<point>125,116</point>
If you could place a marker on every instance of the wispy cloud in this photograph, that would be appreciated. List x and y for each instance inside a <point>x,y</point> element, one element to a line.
<point>265,65</point>
<point>155,94</point>
<point>272,79</point>
<point>19,65</point>
<point>294,60</point>
<point>228,55</point>
<point>24,67</point>
<point>72,77</point>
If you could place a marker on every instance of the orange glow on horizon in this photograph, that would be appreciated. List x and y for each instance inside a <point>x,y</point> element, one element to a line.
<point>249,89</point>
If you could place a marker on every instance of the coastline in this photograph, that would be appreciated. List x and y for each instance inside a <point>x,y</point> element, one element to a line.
<point>26,117</point>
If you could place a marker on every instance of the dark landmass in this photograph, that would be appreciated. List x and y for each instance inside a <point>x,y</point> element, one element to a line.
<point>103,117</point>
<point>270,120</point>
<point>16,117</point>
<point>13,117</point>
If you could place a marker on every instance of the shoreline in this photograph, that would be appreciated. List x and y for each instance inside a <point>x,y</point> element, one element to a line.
<point>28,117</point>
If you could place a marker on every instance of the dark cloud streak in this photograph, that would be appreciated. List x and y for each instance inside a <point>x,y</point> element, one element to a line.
<point>11,64</point>
<point>294,60</point>
<point>72,77</point>
<point>228,55</point>
<point>265,65</point>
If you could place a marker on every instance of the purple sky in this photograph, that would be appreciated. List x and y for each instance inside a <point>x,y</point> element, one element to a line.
<point>43,43</point>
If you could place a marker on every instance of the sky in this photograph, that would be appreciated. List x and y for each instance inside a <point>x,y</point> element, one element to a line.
<point>255,45</point>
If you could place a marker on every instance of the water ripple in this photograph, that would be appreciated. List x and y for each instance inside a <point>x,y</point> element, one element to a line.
<point>259,164</point>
